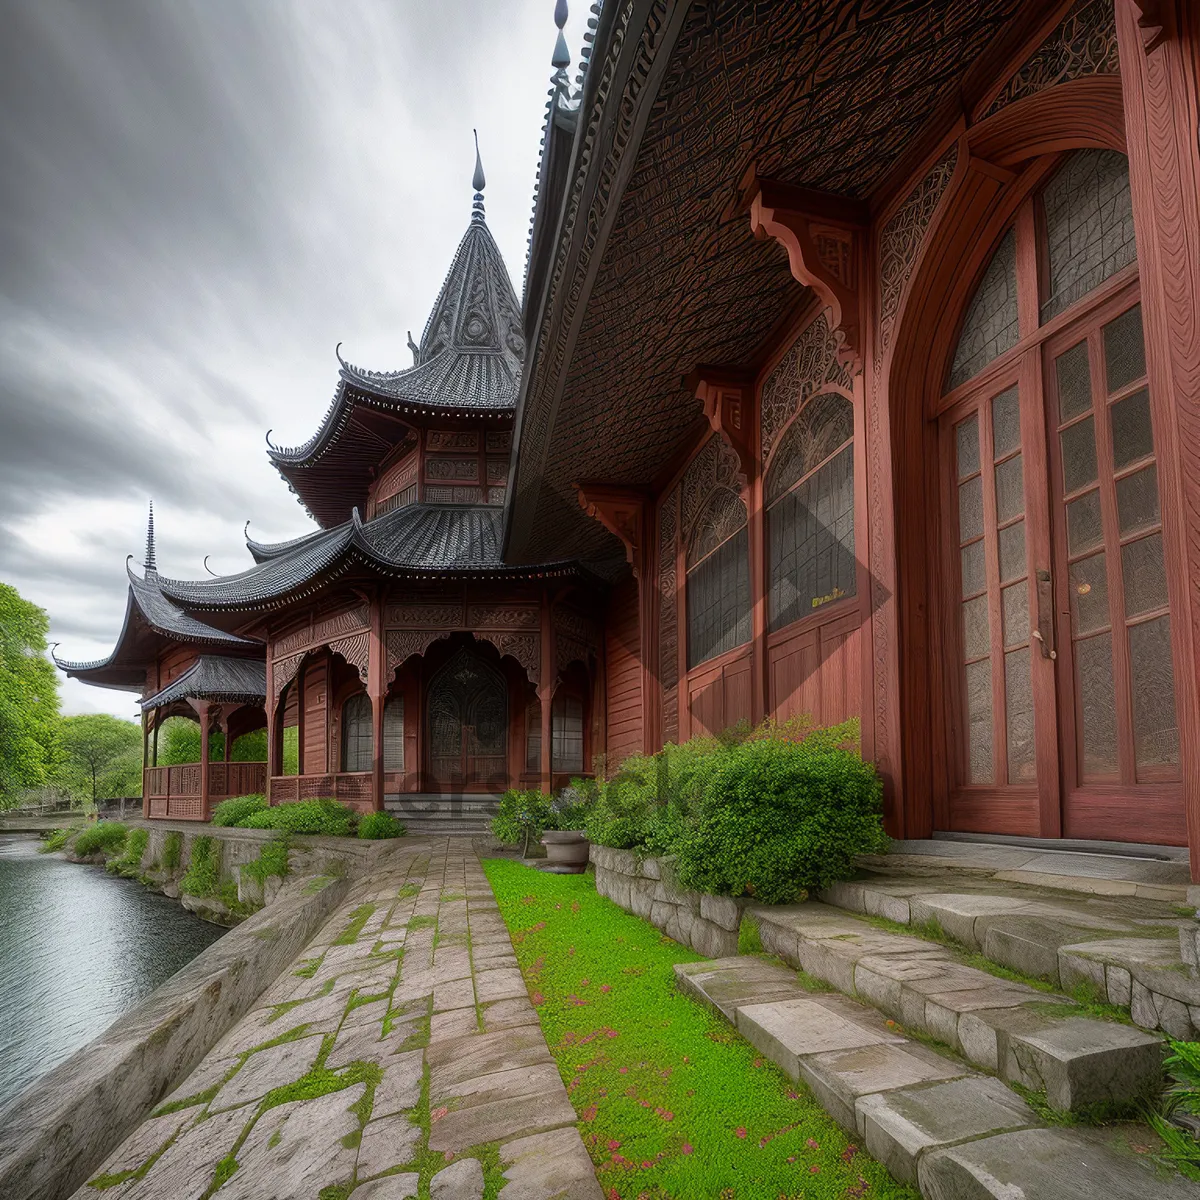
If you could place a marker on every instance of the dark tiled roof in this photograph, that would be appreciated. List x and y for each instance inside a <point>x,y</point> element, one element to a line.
<point>217,678</point>
<point>262,551</point>
<point>469,359</point>
<point>147,601</point>
<point>419,539</point>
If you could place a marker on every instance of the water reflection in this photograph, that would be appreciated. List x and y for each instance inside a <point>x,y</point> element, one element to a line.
<point>78,947</point>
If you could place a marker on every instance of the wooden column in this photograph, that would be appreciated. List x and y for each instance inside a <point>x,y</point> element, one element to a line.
<point>146,719</point>
<point>274,728</point>
<point>202,708</point>
<point>545,690</point>
<point>377,690</point>
<point>1159,44</point>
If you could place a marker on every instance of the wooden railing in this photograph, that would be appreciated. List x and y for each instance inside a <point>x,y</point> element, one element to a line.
<point>350,787</point>
<point>175,791</point>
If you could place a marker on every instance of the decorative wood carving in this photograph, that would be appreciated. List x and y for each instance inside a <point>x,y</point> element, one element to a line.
<point>714,467</point>
<point>1154,21</point>
<point>356,651</point>
<point>283,671</point>
<point>810,365</point>
<point>903,234</point>
<point>438,439</point>
<point>575,638</point>
<point>621,510</point>
<point>526,648</point>
<point>322,631</point>
<point>493,616</point>
<point>402,644</point>
<point>821,234</point>
<point>442,468</point>
<point>1085,43</point>
<point>727,397</point>
<point>498,443</point>
<point>442,616</point>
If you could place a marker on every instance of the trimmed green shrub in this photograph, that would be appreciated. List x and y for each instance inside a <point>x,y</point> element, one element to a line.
<point>202,877</point>
<point>321,816</point>
<point>172,850</point>
<point>129,863</point>
<point>522,817</point>
<point>234,810</point>
<point>377,825</point>
<point>105,836</point>
<point>777,817</point>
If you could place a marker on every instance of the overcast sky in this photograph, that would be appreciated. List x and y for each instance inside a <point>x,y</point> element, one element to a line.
<point>198,200</point>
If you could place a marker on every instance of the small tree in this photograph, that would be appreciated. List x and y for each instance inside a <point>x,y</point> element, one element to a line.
<point>101,754</point>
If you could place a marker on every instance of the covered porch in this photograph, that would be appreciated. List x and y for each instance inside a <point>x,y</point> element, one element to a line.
<point>222,694</point>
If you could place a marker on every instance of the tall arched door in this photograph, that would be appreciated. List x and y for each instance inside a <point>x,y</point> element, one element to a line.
<point>467,726</point>
<point>1058,626</point>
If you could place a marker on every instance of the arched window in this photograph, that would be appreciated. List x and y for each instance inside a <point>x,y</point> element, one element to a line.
<point>810,511</point>
<point>356,733</point>
<point>718,579</point>
<point>1089,226</point>
<point>990,326</point>
<point>393,734</point>
<point>566,725</point>
<point>533,736</point>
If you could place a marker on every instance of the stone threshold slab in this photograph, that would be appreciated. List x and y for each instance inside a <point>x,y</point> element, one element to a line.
<point>929,1118</point>
<point>1009,1029</point>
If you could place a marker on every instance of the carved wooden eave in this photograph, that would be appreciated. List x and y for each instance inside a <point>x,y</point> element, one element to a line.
<point>1154,21</point>
<point>823,235</point>
<point>622,511</point>
<point>727,397</point>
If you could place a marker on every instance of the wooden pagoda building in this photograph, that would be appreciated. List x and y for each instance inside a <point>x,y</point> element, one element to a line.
<point>859,356</point>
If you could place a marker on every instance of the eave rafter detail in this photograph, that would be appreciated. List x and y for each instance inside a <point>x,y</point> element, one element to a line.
<point>823,236</point>
<point>727,396</point>
<point>622,511</point>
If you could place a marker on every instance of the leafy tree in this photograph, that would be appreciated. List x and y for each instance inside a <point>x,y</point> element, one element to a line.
<point>179,742</point>
<point>102,755</point>
<point>28,696</point>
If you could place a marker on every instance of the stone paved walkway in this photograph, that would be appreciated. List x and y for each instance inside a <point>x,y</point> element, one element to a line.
<point>401,1048</point>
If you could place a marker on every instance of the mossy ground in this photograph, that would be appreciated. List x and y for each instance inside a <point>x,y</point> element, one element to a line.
<point>672,1103</point>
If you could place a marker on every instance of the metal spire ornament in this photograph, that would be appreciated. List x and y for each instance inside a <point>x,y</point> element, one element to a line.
<point>478,182</point>
<point>150,565</point>
<point>561,59</point>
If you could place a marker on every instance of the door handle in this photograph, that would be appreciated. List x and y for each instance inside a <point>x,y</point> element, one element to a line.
<point>1045,613</point>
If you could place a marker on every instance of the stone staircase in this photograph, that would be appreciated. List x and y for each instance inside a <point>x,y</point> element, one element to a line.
<point>432,814</point>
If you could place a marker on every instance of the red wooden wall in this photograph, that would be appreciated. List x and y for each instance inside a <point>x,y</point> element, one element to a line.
<point>624,674</point>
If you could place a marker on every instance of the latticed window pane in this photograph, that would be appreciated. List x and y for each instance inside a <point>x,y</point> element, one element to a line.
<point>718,600</point>
<point>566,726</point>
<point>1089,225</point>
<point>356,733</point>
<point>990,326</point>
<point>533,736</point>
<point>393,734</point>
<point>810,514</point>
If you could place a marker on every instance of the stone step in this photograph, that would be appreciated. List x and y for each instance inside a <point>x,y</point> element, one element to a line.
<point>929,1118</point>
<point>1127,952</point>
<point>1034,1038</point>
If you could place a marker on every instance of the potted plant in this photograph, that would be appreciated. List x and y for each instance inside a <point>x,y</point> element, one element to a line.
<point>521,817</point>
<point>567,845</point>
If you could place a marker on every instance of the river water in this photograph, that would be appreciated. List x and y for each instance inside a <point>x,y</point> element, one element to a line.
<point>78,947</point>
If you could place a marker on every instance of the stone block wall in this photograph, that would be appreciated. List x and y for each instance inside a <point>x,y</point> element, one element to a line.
<point>647,887</point>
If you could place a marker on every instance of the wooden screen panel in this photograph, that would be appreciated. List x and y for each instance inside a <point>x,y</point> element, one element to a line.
<point>719,695</point>
<point>815,671</point>
<point>624,670</point>
<point>315,693</point>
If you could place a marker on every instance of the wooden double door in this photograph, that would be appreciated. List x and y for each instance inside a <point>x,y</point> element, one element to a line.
<point>467,709</point>
<point>1058,657</point>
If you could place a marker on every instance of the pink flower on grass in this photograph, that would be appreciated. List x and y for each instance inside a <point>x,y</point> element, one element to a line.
<point>613,1144</point>
<point>814,1169</point>
<point>686,1148</point>
<point>741,1131</point>
<point>813,1145</point>
<point>538,999</point>
<point>604,987</point>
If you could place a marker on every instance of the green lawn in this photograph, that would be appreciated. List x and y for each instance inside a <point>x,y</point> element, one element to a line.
<point>671,1102</point>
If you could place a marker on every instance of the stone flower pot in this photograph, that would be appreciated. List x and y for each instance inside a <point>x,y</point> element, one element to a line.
<point>566,851</point>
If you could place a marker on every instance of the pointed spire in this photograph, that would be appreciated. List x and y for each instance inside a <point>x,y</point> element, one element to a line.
<point>150,565</point>
<point>478,182</point>
<point>561,59</point>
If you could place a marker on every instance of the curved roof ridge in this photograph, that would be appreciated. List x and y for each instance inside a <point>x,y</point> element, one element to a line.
<point>217,677</point>
<point>262,551</point>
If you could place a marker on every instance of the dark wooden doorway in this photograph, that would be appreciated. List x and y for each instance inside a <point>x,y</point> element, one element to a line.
<point>468,725</point>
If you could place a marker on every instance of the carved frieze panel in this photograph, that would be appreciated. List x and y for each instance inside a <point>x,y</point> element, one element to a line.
<point>575,638</point>
<point>441,494</point>
<point>498,442</point>
<point>448,439</point>
<point>452,468</point>
<point>902,236</point>
<point>526,648</point>
<point>497,470</point>
<point>493,616</point>
<point>495,495</point>
<point>322,631</point>
<point>716,466</point>
<point>809,365</point>
<point>401,644</point>
<point>396,478</point>
<point>1085,43</point>
<point>282,673</point>
<point>441,616</point>
<point>356,651</point>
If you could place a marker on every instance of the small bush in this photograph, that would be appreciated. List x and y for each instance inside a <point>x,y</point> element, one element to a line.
<point>377,825</point>
<point>323,816</point>
<point>105,836</point>
<point>779,817</point>
<point>522,817</point>
<point>172,850</point>
<point>272,860</point>
<point>56,839</point>
<point>234,810</point>
<point>203,874</point>
<point>129,863</point>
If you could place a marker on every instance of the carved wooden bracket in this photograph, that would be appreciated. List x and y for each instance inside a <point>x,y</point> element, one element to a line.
<point>1154,20</point>
<point>822,234</point>
<point>727,395</point>
<point>622,511</point>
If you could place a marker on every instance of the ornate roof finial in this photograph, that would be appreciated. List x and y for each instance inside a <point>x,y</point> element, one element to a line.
<point>150,565</point>
<point>561,59</point>
<point>478,182</point>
